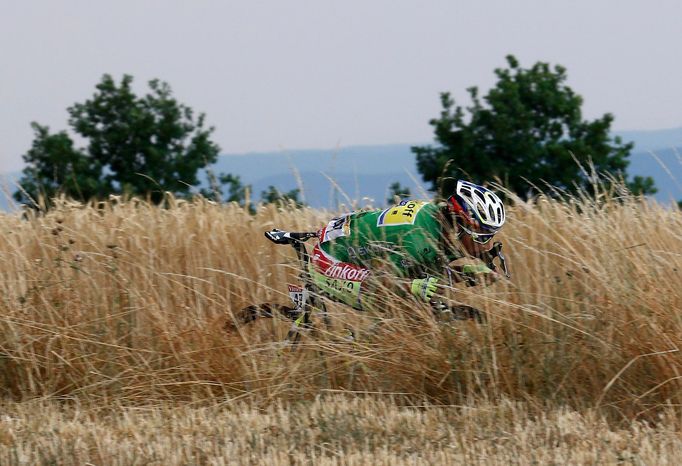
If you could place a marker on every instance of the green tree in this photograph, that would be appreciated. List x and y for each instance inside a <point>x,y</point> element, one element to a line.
<point>642,185</point>
<point>397,191</point>
<point>134,145</point>
<point>273,195</point>
<point>228,188</point>
<point>236,191</point>
<point>528,128</point>
<point>54,165</point>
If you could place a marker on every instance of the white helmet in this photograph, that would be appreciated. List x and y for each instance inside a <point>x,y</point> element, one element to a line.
<point>479,206</point>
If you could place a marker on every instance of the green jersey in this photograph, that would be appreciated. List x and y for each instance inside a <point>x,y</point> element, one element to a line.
<point>409,235</point>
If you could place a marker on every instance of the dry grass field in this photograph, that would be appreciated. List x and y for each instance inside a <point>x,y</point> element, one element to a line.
<point>329,430</point>
<point>113,348</point>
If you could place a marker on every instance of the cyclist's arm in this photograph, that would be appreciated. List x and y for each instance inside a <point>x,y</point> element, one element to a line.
<point>477,274</point>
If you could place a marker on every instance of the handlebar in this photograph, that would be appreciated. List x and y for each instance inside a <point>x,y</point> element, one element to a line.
<point>288,237</point>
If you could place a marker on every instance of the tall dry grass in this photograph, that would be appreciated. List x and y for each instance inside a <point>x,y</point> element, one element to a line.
<point>126,303</point>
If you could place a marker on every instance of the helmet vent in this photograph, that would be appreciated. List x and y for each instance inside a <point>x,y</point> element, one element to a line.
<point>481,204</point>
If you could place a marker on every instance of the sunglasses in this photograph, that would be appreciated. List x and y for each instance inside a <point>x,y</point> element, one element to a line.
<point>480,238</point>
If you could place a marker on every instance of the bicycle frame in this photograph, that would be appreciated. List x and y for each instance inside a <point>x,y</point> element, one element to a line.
<point>307,299</point>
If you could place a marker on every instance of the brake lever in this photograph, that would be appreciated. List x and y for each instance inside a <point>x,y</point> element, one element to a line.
<point>496,251</point>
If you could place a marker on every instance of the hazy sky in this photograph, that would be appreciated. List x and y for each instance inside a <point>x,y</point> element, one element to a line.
<point>317,74</point>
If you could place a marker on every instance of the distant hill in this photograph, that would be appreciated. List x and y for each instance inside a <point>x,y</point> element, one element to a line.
<point>654,140</point>
<point>665,167</point>
<point>367,171</point>
<point>347,189</point>
<point>7,187</point>
<point>658,154</point>
<point>363,173</point>
<point>357,172</point>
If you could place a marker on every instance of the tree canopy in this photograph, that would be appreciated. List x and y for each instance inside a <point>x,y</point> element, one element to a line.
<point>137,145</point>
<point>528,130</point>
<point>272,195</point>
<point>396,191</point>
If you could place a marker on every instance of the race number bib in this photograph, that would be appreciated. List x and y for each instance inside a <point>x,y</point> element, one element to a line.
<point>401,214</point>
<point>298,295</point>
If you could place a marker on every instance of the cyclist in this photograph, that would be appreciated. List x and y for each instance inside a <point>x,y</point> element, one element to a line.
<point>415,240</point>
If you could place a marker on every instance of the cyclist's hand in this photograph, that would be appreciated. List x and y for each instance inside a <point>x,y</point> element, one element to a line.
<point>424,288</point>
<point>476,274</point>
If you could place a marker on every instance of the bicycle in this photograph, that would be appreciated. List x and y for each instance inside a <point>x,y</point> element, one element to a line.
<point>307,298</point>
